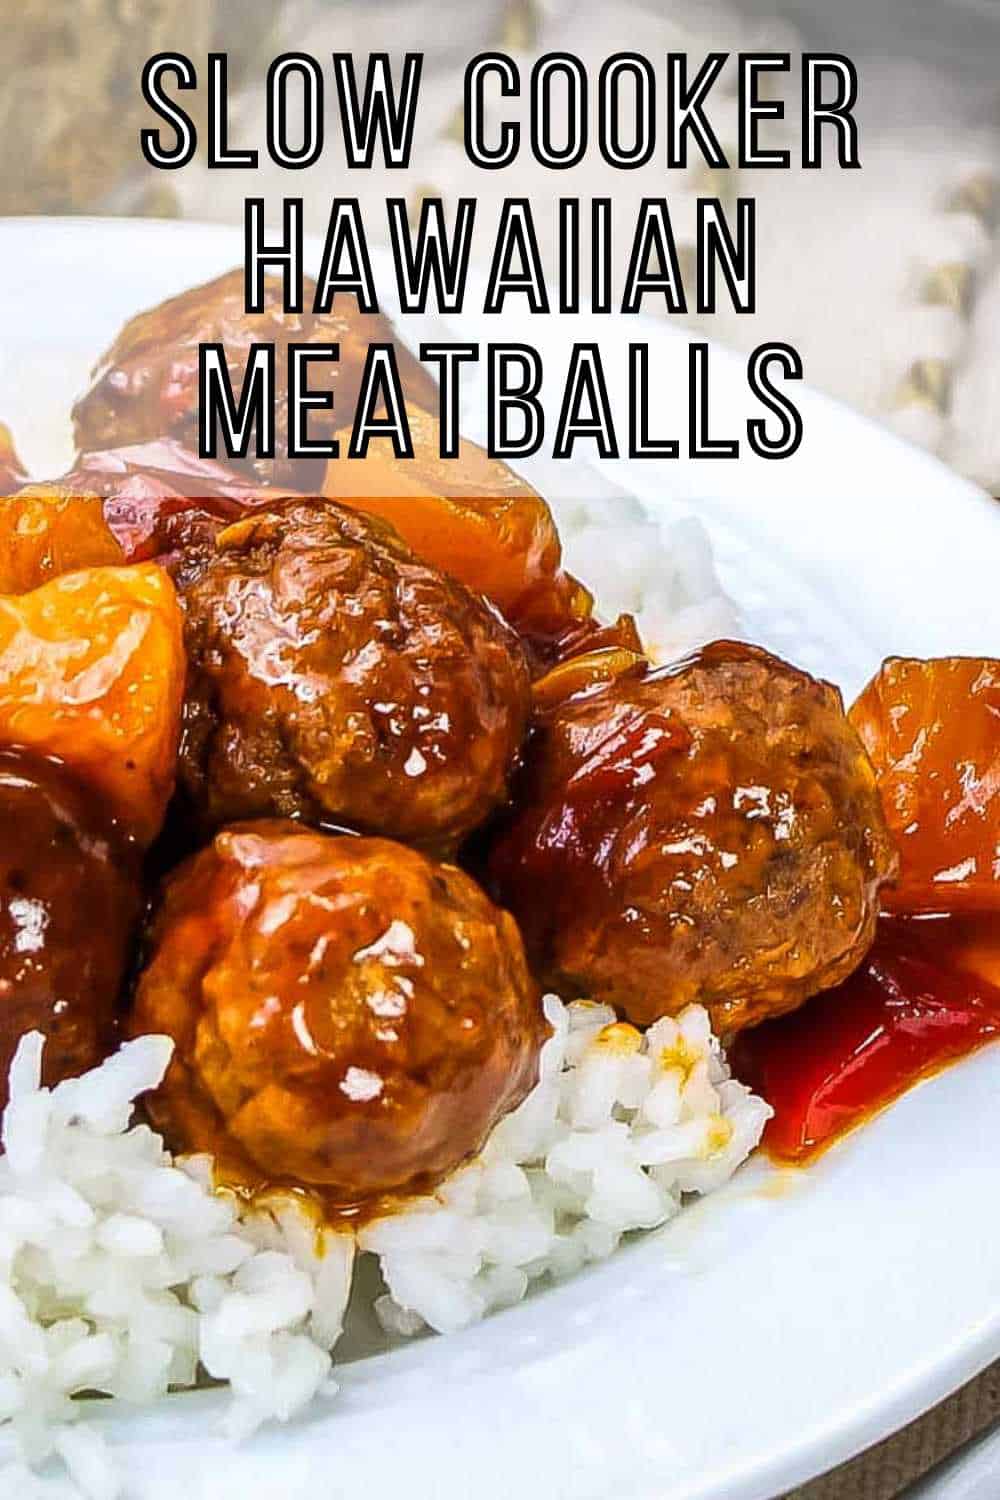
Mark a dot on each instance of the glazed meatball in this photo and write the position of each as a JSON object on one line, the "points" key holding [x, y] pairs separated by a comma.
{"points": [[146, 385], [68, 901], [335, 678], [347, 1013], [708, 832]]}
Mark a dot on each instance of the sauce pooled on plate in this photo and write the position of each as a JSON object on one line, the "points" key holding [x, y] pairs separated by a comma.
{"points": [[928, 991]]}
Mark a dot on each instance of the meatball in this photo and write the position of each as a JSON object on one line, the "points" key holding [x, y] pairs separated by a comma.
{"points": [[347, 1013], [68, 901], [146, 385], [707, 832], [335, 678]]}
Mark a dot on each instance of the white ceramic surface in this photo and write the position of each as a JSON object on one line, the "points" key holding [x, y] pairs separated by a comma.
{"points": [[792, 1319]]}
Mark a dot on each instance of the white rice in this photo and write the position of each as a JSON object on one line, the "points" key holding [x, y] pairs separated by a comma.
{"points": [[661, 571], [123, 1273], [619, 1128]]}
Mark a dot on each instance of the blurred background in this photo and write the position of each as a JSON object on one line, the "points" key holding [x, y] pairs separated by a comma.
{"points": [[887, 279]]}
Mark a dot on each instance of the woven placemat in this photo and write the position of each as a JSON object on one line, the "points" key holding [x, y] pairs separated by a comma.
{"points": [[886, 1470]]}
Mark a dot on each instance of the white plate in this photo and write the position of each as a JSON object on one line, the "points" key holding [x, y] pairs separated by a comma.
{"points": [[792, 1319]]}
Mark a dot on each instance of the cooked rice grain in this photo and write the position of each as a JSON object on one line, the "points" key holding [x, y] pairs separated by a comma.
{"points": [[122, 1272], [619, 1128]]}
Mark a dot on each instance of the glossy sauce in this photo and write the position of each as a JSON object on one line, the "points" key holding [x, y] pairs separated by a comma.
{"points": [[477, 520], [335, 678], [92, 672], [348, 1016], [927, 994], [233, 1173], [932, 730], [69, 899], [46, 531], [147, 490], [707, 832], [146, 385]]}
